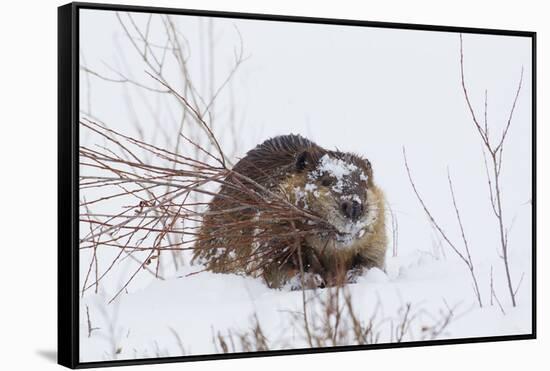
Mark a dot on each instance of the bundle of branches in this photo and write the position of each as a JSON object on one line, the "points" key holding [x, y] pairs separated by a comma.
{"points": [[163, 215]]}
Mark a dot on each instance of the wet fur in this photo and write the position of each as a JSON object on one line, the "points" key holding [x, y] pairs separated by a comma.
{"points": [[284, 165]]}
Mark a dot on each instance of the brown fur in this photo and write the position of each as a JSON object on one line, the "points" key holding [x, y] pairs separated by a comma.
{"points": [[252, 242]]}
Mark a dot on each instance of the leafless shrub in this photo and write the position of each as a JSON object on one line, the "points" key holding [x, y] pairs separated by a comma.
{"points": [[110, 330], [161, 193], [465, 255], [251, 340], [333, 320], [178, 340], [437, 328], [494, 294], [89, 322], [395, 231], [162, 190], [159, 58], [494, 150]]}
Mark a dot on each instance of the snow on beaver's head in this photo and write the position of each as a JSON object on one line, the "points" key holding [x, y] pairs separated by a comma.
{"points": [[338, 187]]}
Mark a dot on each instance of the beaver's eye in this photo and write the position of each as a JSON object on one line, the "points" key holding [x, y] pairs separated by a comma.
{"points": [[326, 181]]}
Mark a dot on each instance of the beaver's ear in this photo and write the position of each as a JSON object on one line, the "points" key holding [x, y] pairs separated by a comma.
{"points": [[304, 160], [366, 166]]}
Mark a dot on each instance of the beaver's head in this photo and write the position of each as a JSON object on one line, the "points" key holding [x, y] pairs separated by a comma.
{"points": [[338, 187]]}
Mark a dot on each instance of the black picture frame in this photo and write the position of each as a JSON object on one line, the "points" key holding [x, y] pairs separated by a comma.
{"points": [[68, 179]]}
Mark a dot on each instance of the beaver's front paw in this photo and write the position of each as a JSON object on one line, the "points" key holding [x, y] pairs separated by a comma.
{"points": [[353, 274], [309, 281]]}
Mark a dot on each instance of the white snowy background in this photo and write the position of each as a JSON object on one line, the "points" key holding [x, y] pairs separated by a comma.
{"points": [[368, 90]]}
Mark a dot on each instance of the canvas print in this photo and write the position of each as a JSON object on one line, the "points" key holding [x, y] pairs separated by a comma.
{"points": [[253, 185]]}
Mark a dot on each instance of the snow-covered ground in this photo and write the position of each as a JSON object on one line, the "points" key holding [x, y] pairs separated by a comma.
{"points": [[183, 314], [367, 90]]}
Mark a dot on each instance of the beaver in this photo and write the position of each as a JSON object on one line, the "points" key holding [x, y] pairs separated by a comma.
{"points": [[323, 225]]}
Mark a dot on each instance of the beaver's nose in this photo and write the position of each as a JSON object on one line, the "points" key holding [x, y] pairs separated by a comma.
{"points": [[351, 209]]}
